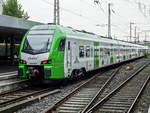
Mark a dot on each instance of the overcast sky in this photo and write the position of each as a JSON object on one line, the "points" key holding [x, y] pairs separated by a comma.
{"points": [[84, 14]]}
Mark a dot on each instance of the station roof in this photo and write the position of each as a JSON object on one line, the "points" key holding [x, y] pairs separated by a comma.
{"points": [[14, 26]]}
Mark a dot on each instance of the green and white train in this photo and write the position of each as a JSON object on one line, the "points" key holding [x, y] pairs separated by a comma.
{"points": [[53, 52]]}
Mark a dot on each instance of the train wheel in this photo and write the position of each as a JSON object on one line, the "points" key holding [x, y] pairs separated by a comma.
{"points": [[74, 74], [82, 73]]}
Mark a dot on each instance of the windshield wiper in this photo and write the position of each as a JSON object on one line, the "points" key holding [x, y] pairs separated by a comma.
{"points": [[47, 45]]}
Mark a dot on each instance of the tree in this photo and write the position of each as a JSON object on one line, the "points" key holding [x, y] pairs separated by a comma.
{"points": [[13, 8]]}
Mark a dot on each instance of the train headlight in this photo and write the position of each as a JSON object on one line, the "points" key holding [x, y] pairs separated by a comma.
{"points": [[23, 62], [46, 62]]}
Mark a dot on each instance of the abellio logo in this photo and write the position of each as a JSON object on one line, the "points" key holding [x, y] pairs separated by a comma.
{"points": [[33, 58]]}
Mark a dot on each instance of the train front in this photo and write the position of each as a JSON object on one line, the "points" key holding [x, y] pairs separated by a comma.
{"points": [[34, 54]]}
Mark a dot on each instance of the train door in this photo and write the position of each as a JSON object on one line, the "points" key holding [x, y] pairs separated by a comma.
{"points": [[111, 54], [104, 57], [118, 52], [101, 56], [115, 54], [69, 57], [107, 56], [87, 57], [75, 55], [91, 58]]}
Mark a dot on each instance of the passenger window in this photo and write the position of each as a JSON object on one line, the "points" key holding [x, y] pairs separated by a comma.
{"points": [[101, 52], [91, 51], [81, 51], [69, 45], [87, 51], [107, 52], [61, 46], [96, 52]]}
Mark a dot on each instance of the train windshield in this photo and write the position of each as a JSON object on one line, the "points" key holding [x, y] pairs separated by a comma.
{"points": [[38, 41]]}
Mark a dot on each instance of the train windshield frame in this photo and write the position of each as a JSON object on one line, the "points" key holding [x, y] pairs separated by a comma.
{"points": [[38, 41]]}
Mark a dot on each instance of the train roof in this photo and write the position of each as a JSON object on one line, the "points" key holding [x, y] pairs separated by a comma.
{"points": [[70, 32]]}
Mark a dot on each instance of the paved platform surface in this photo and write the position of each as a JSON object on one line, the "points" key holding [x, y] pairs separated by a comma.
{"points": [[7, 68]]}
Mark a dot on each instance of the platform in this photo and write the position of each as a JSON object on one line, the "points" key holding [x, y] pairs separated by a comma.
{"points": [[6, 69]]}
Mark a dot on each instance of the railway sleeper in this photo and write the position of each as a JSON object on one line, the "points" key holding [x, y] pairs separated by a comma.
{"points": [[118, 105], [74, 100], [123, 99], [66, 111], [68, 108], [71, 102], [115, 107], [71, 108], [80, 98], [110, 111], [73, 105], [118, 102]]}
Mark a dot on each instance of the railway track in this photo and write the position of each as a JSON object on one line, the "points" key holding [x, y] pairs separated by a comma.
{"points": [[79, 98], [82, 99], [11, 100], [124, 97], [9, 80]]}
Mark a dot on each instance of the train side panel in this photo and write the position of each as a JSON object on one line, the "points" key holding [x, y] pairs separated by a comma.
{"points": [[78, 55]]}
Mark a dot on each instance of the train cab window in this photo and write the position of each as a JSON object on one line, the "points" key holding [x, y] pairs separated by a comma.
{"points": [[34, 44], [81, 51], [61, 46], [87, 51]]}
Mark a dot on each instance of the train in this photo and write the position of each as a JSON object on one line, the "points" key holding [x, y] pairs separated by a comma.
{"points": [[54, 52]]}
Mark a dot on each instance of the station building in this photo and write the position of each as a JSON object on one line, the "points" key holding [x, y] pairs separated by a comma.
{"points": [[12, 31]]}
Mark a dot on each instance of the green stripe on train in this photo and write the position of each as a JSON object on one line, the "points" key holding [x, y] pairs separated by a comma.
{"points": [[124, 57], [96, 55], [111, 60]]}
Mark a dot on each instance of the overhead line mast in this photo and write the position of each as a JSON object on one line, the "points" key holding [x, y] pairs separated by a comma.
{"points": [[109, 21], [131, 23], [56, 12]]}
